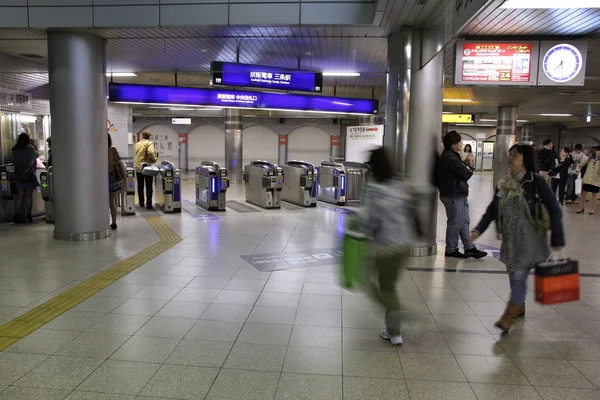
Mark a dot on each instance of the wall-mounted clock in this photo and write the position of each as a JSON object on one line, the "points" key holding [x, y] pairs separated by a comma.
{"points": [[562, 63]]}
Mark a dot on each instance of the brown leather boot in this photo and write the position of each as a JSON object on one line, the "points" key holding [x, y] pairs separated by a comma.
{"points": [[521, 311], [505, 322]]}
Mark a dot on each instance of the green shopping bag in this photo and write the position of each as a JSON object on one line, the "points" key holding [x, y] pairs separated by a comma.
{"points": [[353, 259]]}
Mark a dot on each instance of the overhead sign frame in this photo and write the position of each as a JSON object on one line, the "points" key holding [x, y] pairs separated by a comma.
{"points": [[262, 76], [457, 118], [517, 67]]}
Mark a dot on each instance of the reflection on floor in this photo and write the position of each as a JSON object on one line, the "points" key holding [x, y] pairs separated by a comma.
{"points": [[200, 322]]}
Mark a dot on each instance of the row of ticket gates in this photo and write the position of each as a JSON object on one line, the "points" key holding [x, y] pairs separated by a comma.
{"points": [[267, 184]]}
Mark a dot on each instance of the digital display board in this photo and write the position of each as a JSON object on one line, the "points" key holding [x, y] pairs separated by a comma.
{"points": [[149, 94], [259, 76], [496, 63]]}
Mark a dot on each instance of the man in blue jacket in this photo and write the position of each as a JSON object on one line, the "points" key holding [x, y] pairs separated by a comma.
{"points": [[452, 177]]}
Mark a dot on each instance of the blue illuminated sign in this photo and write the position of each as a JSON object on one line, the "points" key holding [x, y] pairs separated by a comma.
{"points": [[149, 94], [247, 75]]}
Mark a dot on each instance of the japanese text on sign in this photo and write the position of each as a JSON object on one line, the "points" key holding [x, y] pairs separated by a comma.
{"points": [[496, 62], [14, 98]]}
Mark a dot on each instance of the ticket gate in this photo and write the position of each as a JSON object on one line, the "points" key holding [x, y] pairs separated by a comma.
{"points": [[264, 182], [9, 194], [211, 186], [128, 193], [341, 183], [47, 196], [167, 185], [299, 185]]}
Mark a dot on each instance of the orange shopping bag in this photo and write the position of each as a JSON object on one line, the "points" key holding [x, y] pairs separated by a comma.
{"points": [[557, 281]]}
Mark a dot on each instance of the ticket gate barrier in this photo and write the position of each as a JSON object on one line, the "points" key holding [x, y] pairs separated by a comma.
{"points": [[47, 195], [341, 183], [299, 185], [211, 186], [167, 185], [128, 193], [264, 182]]}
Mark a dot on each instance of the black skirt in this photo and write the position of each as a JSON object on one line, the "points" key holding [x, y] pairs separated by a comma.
{"points": [[590, 188]]}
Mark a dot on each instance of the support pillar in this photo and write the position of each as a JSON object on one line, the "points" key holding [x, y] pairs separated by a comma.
{"points": [[527, 132], [77, 70], [426, 104], [282, 156], [334, 146], [395, 139], [233, 143], [183, 151], [505, 138]]}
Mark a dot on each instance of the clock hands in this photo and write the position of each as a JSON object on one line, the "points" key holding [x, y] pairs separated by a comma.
{"points": [[559, 65]]}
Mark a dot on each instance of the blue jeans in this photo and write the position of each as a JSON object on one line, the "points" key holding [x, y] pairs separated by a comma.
{"points": [[571, 179], [518, 286], [457, 212]]}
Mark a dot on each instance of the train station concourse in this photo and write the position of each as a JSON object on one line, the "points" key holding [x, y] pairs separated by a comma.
{"points": [[195, 203]]}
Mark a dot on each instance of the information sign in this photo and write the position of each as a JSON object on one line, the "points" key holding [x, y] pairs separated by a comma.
{"points": [[360, 140]]}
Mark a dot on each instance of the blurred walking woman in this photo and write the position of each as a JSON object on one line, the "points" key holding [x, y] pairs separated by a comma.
{"points": [[25, 156], [114, 184], [591, 181], [513, 209]]}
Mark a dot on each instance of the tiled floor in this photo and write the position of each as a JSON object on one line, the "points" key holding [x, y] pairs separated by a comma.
{"points": [[199, 322]]}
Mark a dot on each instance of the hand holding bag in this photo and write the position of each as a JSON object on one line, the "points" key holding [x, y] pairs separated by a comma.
{"points": [[557, 279], [355, 247]]}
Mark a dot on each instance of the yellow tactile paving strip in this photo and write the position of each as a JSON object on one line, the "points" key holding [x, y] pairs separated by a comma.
{"points": [[29, 322]]}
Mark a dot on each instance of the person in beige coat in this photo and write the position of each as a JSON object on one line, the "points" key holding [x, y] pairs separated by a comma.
{"points": [[591, 181]]}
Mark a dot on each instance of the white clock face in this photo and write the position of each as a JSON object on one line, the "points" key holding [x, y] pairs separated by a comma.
{"points": [[562, 63]]}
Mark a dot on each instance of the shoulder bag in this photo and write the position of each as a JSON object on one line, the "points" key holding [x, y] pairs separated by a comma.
{"points": [[541, 214]]}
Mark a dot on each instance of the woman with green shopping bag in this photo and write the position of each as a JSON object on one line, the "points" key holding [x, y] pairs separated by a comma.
{"points": [[387, 221]]}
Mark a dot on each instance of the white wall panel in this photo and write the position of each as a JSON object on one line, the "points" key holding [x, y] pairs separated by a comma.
{"points": [[206, 143], [260, 143], [166, 141], [310, 144]]}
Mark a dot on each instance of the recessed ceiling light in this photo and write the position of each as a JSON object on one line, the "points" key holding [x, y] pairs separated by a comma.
{"points": [[341, 74], [495, 120], [458, 101], [556, 115], [120, 74], [551, 4]]}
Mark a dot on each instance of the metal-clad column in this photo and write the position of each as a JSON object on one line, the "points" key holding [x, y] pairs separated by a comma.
{"points": [[505, 138], [183, 151], [233, 143], [365, 120], [395, 139], [334, 146], [77, 70], [426, 104], [527, 132], [282, 156]]}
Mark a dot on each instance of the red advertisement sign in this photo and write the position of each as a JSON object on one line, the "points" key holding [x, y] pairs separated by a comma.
{"points": [[491, 62]]}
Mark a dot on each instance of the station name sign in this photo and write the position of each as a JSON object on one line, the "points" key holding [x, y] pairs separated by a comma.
{"points": [[258, 76], [170, 95]]}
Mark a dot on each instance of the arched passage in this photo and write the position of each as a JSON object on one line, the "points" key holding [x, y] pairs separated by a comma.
{"points": [[206, 143], [260, 143], [310, 144]]}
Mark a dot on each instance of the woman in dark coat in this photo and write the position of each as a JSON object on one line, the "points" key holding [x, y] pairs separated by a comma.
{"points": [[25, 156]]}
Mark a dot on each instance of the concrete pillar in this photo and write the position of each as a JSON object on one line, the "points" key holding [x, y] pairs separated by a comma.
{"points": [[282, 156], [505, 138], [527, 132], [233, 143], [426, 104], [77, 67], [398, 91], [183, 151], [334, 146]]}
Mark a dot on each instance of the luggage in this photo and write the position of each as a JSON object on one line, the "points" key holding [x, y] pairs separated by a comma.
{"points": [[355, 247], [557, 281]]}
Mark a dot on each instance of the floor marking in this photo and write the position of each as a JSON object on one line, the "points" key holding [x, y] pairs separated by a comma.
{"points": [[20, 327]]}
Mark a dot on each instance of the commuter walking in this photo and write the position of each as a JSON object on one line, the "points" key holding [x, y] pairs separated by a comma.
{"points": [[468, 157], [547, 159], [560, 174], [513, 210], [49, 158], [114, 183], [144, 154], [388, 220], [591, 181], [578, 157], [25, 156], [452, 177]]}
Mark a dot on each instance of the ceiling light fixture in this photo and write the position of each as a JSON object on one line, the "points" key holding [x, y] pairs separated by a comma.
{"points": [[495, 120], [556, 115], [341, 73], [458, 101], [120, 74], [545, 4]]}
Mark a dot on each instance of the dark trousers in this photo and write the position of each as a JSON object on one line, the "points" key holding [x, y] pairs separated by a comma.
{"points": [[571, 180], [148, 181], [559, 184]]}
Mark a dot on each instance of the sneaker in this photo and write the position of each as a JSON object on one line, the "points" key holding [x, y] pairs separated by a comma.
{"points": [[475, 253], [395, 340], [456, 254]]}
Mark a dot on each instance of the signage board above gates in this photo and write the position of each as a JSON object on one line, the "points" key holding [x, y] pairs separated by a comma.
{"points": [[258, 76], [170, 95]]}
